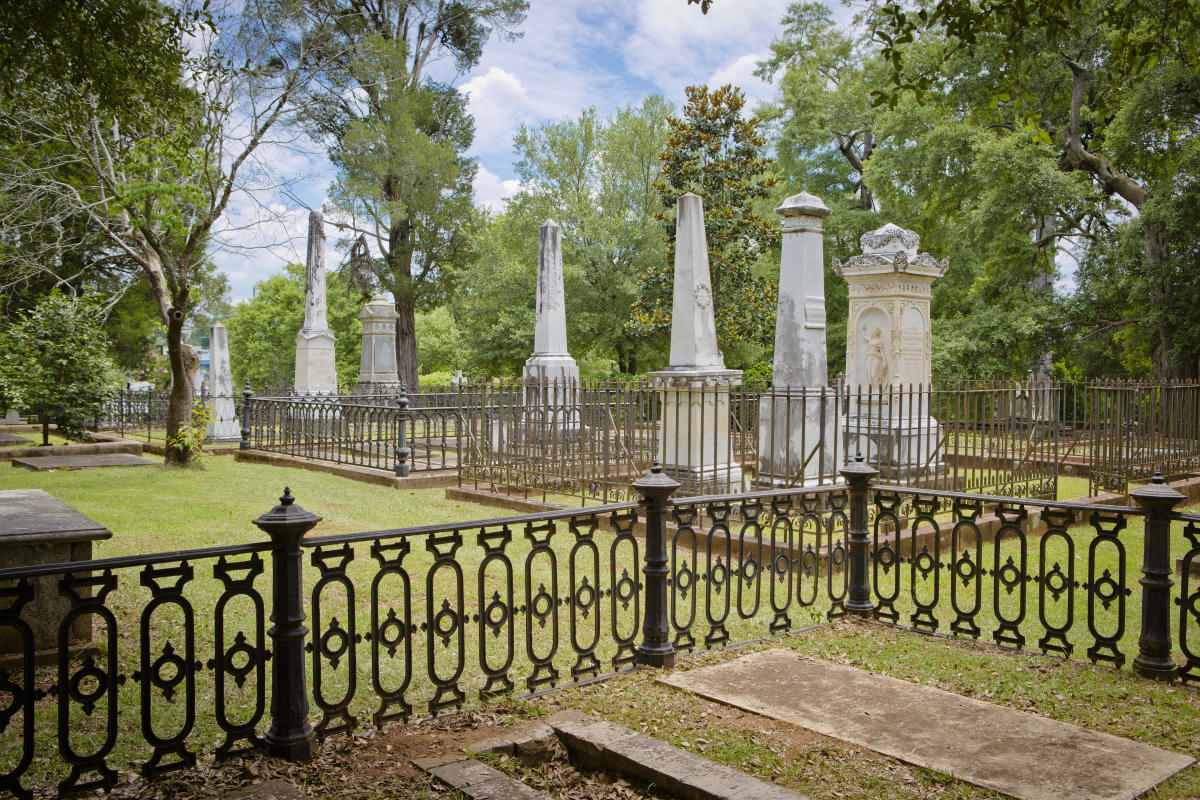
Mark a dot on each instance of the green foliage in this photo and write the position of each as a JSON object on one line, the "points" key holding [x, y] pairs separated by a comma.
{"points": [[716, 153], [441, 346], [190, 439], [262, 330], [595, 176], [56, 363]]}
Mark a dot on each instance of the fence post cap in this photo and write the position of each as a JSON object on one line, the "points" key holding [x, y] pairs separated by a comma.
{"points": [[1158, 493], [287, 518], [858, 470], [656, 482]]}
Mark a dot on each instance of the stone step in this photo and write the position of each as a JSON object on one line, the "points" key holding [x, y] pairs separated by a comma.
{"points": [[476, 780], [676, 772], [268, 790]]}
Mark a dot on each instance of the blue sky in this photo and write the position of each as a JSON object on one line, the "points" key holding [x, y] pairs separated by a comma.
{"points": [[573, 54]]}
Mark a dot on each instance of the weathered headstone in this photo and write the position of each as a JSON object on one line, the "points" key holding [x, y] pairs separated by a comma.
{"points": [[11, 417], [37, 528], [551, 376], [377, 366], [316, 363], [224, 426], [889, 346], [695, 413], [799, 425]]}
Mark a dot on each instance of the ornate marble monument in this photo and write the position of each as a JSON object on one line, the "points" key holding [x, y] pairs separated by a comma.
{"points": [[377, 367], [888, 351], [316, 365], [224, 425], [695, 385], [551, 376], [799, 421]]}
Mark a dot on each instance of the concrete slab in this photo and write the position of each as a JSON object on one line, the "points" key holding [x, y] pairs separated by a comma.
{"points": [[477, 780], [43, 463], [268, 790], [32, 516], [12, 440], [1020, 754]]}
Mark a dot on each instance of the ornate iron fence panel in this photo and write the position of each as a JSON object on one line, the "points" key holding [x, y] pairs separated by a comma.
{"points": [[148, 659]]}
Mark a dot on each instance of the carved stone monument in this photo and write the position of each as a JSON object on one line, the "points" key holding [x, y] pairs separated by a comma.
{"points": [[551, 376], [316, 364], [695, 411], [799, 440], [224, 425], [888, 352], [377, 367]]}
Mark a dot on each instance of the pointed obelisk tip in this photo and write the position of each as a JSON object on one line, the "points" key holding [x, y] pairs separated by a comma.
{"points": [[315, 218], [549, 223]]}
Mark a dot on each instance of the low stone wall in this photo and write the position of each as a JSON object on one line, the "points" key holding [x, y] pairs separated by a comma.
{"points": [[86, 449]]}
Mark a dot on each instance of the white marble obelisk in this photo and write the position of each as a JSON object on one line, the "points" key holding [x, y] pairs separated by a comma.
{"points": [[889, 346], [695, 443], [377, 365], [551, 376], [224, 425], [799, 437], [316, 364]]}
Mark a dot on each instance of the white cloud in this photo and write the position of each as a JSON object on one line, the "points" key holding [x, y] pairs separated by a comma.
{"points": [[491, 190], [499, 103], [740, 73]]}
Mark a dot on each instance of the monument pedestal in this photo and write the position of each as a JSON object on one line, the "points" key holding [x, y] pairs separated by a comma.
{"points": [[696, 447], [799, 438], [550, 399], [316, 363], [903, 449]]}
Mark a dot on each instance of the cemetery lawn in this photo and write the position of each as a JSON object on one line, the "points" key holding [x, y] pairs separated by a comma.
{"points": [[1099, 698], [155, 509]]}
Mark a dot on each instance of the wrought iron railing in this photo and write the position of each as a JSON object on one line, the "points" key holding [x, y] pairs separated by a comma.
{"points": [[356, 430], [159, 659]]}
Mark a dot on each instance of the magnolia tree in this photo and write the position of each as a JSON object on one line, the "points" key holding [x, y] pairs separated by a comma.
{"points": [[56, 364]]}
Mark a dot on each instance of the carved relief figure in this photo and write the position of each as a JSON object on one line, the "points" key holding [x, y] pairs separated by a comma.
{"points": [[875, 361]]}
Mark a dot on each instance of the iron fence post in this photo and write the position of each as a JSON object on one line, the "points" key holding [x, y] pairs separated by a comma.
{"points": [[656, 649], [246, 395], [290, 735], [859, 475], [1154, 660], [402, 451]]}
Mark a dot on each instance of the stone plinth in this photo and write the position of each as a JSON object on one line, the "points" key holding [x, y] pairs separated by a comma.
{"points": [[224, 426], [799, 425], [889, 352], [11, 417], [377, 366], [695, 445], [37, 528]]}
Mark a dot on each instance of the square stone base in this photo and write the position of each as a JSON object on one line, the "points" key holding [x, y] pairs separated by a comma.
{"points": [[722, 479]]}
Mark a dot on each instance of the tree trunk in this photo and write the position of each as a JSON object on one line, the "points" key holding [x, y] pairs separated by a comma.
{"points": [[179, 406], [865, 201], [45, 431], [406, 345], [1170, 366]]}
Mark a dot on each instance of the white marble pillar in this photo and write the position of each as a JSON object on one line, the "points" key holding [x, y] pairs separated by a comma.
{"points": [[316, 363], [695, 444], [224, 426], [889, 345], [799, 425], [377, 366], [551, 376]]}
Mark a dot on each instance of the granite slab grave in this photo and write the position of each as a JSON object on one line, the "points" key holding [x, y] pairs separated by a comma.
{"points": [[43, 463], [1020, 754], [12, 440], [38, 528]]}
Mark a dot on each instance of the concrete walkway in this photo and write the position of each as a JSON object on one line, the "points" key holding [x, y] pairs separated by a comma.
{"points": [[1015, 752]]}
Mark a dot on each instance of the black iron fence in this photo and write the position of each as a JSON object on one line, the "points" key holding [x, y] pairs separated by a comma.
{"points": [[158, 660], [357, 430]]}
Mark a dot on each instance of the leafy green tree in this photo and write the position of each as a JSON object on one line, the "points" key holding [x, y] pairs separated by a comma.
{"points": [[716, 153], [56, 364], [399, 141], [442, 346], [594, 175], [262, 330]]}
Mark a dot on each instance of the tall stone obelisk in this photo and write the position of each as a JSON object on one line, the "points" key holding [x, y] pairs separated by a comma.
{"points": [[799, 437], [695, 444], [316, 364], [551, 376], [224, 425]]}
